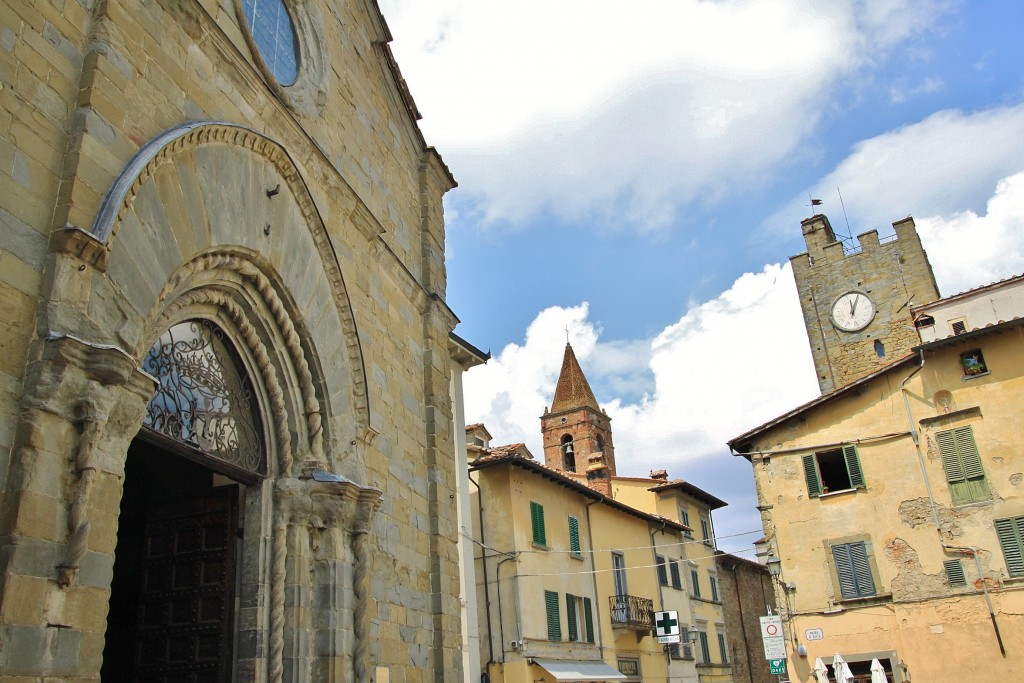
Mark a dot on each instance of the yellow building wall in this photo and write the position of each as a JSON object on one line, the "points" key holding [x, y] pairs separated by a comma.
{"points": [[917, 618]]}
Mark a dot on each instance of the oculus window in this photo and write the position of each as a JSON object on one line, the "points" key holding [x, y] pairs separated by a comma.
{"points": [[274, 34]]}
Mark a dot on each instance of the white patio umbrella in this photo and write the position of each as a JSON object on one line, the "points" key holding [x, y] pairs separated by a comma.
{"points": [[841, 669], [820, 671], [878, 672]]}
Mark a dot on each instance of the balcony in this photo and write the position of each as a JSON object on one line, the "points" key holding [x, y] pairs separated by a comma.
{"points": [[629, 611]]}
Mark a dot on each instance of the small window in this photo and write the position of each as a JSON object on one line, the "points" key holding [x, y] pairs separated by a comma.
{"points": [[673, 567], [973, 363], [695, 578], [600, 443], [879, 348], [580, 622], [705, 531], [924, 320], [834, 470], [958, 326], [723, 648], [568, 454], [955, 573], [574, 536], [853, 568], [1011, 539], [684, 517], [274, 34], [962, 463], [554, 621], [674, 651], [662, 570], [714, 588], [537, 523]]}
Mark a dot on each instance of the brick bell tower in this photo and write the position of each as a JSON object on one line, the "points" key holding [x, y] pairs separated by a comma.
{"points": [[856, 298], [577, 432]]}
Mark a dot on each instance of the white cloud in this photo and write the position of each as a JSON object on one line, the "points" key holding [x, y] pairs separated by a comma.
{"points": [[580, 109], [938, 167]]}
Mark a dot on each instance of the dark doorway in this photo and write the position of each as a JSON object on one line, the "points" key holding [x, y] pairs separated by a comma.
{"points": [[172, 593]]}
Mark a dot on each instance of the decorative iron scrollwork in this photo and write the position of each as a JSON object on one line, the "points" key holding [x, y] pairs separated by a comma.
{"points": [[204, 398]]}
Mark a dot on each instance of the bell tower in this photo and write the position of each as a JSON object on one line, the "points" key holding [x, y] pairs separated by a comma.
{"points": [[856, 298], [577, 432]]}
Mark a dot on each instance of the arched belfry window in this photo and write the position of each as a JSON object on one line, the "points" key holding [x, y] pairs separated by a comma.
{"points": [[600, 444], [204, 398], [568, 454]]}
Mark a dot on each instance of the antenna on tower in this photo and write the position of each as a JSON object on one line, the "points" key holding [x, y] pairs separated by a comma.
{"points": [[849, 233]]}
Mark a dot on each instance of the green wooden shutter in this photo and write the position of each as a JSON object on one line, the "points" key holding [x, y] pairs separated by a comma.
{"points": [[811, 475], [570, 613], [968, 452], [554, 622], [588, 618], [723, 648], [962, 463], [853, 466], [1011, 539], [955, 573], [574, 535], [537, 521], [714, 588], [950, 457], [659, 563], [673, 566], [705, 651], [696, 583], [853, 570]]}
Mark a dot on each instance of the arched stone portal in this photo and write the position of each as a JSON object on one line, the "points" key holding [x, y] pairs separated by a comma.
{"points": [[212, 222]]}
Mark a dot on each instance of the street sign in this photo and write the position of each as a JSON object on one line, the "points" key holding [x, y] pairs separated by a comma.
{"points": [[814, 634], [772, 637], [666, 626], [777, 666]]}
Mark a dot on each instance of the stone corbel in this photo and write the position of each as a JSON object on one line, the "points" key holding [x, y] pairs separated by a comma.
{"points": [[80, 243]]}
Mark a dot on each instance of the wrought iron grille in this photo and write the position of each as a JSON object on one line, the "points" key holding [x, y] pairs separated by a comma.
{"points": [[632, 612], [204, 397]]}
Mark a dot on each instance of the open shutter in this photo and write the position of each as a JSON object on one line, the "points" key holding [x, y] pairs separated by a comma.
{"points": [[588, 617], [677, 581], [950, 457], [570, 613], [574, 535], [811, 474], [537, 521], [1011, 538], [554, 623], [853, 466]]}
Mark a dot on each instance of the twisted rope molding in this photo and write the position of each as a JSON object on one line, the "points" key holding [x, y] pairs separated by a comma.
{"points": [[278, 575], [361, 649], [182, 139], [78, 518]]}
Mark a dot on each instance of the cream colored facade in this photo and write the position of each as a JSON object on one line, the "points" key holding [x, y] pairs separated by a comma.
{"points": [[613, 577], [895, 504], [692, 507], [159, 180]]}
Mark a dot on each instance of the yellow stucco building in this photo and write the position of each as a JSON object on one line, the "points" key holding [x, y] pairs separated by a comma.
{"points": [[892, 505]]}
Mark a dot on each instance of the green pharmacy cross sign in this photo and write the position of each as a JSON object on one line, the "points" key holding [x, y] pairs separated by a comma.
{"points": [[666, 626]]}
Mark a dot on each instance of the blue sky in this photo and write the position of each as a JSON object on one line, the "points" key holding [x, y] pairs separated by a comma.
{"points": [[637, 173]]}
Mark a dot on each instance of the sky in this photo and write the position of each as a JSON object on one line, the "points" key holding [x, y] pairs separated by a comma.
{"points": [[632, 177]]}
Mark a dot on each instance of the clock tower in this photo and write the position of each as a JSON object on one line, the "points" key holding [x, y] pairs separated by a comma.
{"points": [[856, 298]]}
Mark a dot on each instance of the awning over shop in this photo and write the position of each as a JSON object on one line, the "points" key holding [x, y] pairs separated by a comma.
{"points": [[571, 670]]}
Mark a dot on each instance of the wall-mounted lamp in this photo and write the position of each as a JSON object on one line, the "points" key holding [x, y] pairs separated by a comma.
{"points": [[774, 565]]}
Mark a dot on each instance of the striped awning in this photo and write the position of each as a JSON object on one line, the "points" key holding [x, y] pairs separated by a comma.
{"points": [[573, 670]]}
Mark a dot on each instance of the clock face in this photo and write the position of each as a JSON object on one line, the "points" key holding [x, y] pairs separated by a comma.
{"points": [[852, 311]]}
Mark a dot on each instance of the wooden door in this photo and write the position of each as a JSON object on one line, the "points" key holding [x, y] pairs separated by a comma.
{"points": [[185, 598]]}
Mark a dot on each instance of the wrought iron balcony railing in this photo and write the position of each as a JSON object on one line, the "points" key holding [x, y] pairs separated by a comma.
{"points": [[629, 611]]}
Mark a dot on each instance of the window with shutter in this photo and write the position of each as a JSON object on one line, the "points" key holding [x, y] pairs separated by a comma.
{"points": [[554, 622], [574, 536], [723, 649], [659, 562], [1011, 538], [684, 517], [962, 463], [833, 470], [588, 619], [853, 570], [696, 582], [570, 613], [537, 522], [705, 651], [714, 588], [955, 573], [677, 581], [705, 531]]}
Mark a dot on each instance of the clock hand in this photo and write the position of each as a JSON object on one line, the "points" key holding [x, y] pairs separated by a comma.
{"points": [[853, 306]]}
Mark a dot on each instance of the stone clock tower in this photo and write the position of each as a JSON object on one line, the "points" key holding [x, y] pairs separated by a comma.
{"points": [[856, 301]]}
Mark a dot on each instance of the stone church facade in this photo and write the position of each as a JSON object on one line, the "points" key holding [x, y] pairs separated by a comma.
{"points": [[225, 420]]}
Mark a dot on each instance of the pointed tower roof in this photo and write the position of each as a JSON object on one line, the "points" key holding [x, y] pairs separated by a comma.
{"points": [[572, 390]]}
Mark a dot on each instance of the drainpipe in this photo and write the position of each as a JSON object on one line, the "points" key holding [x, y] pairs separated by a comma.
{"points": [[950, 549], [483, 566], [515, 605]]}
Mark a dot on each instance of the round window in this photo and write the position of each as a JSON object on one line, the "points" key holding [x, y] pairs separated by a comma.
{"points": [[275, 38]]}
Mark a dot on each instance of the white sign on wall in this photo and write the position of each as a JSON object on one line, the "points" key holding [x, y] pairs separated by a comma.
{"points": [[814, 634], [772, 637]]}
